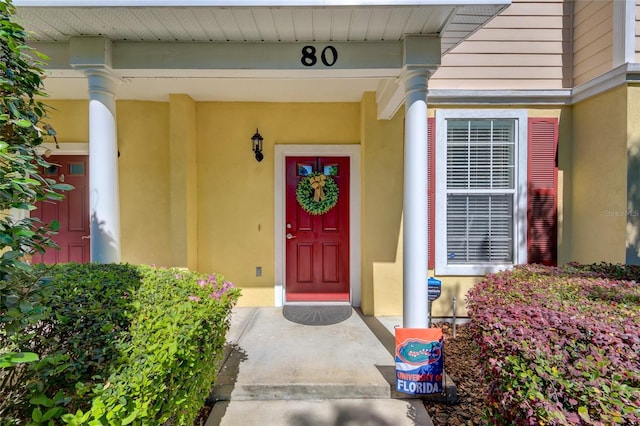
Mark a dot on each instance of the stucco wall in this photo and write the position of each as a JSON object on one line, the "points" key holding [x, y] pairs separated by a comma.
{"points": [[143, 142], [382, 251], [236, 193], [70, 119], [633, 176], [382, 186], [599, 199], [183, 181], [383, 149]]}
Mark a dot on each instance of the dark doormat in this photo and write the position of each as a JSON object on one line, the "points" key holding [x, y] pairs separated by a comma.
{"points": [[317, 315]]}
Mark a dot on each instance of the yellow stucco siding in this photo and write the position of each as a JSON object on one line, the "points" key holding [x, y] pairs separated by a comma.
{"points": [[633, 176], [382, 238], [236, 193], [382, 183], [386, 259], [183, 181], [207, 146], [143, 142], [599, 198], [70, 119]]}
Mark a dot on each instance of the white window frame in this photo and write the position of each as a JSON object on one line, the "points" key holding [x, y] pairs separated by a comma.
{"points": [[519, 203]]}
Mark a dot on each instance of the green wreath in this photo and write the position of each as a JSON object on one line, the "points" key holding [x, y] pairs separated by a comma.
{"points": [[317, 193]]}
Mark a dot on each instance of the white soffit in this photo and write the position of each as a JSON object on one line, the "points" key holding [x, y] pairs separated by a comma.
{"points": [[254, 21], [55, 22]]}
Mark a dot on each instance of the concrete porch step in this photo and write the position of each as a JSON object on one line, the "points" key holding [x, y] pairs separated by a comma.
{"points": [[266, 392], [268, 358], [276, 372], [383, 412]]}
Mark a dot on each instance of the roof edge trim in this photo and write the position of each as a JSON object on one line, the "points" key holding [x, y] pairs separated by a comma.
{"points": [[252, 3]]}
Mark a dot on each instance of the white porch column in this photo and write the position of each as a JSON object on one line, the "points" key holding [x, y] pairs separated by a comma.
{"points": [[415, 236], [421, 57], [93, 57], [104, 195]]}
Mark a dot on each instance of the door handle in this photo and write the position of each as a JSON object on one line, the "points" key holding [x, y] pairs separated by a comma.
{"points": [[289, 236], [86, 237]]}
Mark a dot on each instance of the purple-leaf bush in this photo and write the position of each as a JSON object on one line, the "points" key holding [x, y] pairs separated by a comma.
{"points": [[560, 345]]}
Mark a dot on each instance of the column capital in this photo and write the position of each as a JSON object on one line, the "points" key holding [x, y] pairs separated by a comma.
{"points": [[92, 55], [101, 79], [409, 72], [416, 79]]}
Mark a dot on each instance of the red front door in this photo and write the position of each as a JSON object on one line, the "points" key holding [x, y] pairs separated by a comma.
{"points": [[72, 212], [317, 246]]}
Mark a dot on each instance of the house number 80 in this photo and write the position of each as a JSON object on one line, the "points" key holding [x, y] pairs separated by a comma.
{"points": [[328, 56]]}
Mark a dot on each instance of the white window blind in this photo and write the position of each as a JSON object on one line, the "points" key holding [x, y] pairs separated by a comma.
{"points": [[480, 189]]}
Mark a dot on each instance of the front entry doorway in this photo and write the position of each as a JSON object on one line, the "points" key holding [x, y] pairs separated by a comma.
{"points": [[317, 246], [72, 212]]}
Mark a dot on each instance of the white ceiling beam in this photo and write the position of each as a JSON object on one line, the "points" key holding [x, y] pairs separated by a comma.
{"points": [[264, 56], [332, 59], [418, 51], [389, 97]]}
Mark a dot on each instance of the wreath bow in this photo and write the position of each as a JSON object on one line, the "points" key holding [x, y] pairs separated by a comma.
{"points": [[317, 193], [317, 183]]}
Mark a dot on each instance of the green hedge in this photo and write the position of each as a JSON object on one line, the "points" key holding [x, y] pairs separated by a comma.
{"points": [[127, 344], [560, 345]]}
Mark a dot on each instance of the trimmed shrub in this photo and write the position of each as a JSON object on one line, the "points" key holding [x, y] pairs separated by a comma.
{"points": [[169, 365], [127, 345], [559, 345], [89, 310]]}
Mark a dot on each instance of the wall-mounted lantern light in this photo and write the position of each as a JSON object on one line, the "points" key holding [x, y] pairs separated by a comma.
{"points": [[256, 144]]}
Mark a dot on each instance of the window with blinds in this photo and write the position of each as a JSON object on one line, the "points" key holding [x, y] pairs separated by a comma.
{"points": [[480, 190]]}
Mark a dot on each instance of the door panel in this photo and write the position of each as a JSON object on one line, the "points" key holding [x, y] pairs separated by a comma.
{"points": [[330, 262], [76, 217], [72, 212], [304, 262], [317, 254]]}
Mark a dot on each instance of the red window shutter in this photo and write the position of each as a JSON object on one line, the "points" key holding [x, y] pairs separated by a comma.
{"points": [[542, 187], [431, 191]]}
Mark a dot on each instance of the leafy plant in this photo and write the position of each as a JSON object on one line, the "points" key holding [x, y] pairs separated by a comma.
{"points": [[21, 133], [21, 186], [560, 345], [167, 362], [123, 344]]}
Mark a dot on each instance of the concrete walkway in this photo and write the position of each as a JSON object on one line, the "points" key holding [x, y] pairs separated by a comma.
{"points": [[280, 373]]}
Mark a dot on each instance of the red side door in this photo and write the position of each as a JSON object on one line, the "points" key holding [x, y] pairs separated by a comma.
{"points": [[72, 212], [317, 246]]}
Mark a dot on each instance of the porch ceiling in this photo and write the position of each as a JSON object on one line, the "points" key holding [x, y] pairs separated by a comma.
{"points": [[248, 21]]}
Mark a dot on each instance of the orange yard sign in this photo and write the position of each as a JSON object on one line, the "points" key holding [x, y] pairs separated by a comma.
{"points": [[419, 360]]}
